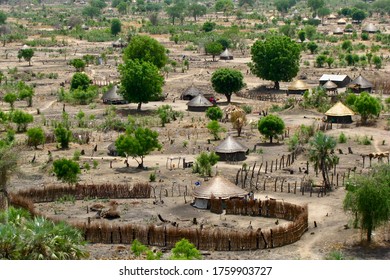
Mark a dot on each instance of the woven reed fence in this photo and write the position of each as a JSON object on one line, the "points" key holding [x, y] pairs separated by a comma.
{"points": [[218, 239]]}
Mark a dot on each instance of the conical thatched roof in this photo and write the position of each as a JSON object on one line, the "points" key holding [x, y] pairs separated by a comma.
{"points": [[199, 101], [332, 16], [226, 55], [120, 43], [338, 30], [230, 145], [191, 91], [329, 85], [112, 95], [341, 21], [339, 110], [370, 28], [298, 85], [361, 83], [219, 187]]}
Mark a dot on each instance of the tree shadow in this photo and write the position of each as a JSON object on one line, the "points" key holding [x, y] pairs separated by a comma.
{"points": [[129, 170], [134, 112]]}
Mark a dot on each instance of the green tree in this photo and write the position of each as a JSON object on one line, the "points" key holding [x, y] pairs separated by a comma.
{"points": [[347, 45], [91, 11], [137, 143], [367, 106], [122, 8], [227, 81], [215, 128], [196, 10], [275, 59], [27, 54], [185, 250], [315, 4], [36, 136], [66, 170], [166, 114], [116, 26], [320, 154], [282, 5], [83, 97], [270, 126], [368, 198], [312, 46], [26, 92], [78, 63], [320, 60], [21, 119], [225, 6], [204, 162], [302, 35], [147, 49], [36, 238], [208, 26], [3, 17], [141, 81], [63, 136], [213, 48], [80, 81], [377, 61], [214, 113], [358, 15], [8, 164], [177, 10], [11, 99]]}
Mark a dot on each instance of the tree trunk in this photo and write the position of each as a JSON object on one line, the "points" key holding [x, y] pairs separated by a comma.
{"points": [[3, 190], [277, 86], [270, 139], [139, 106], [369, 233], [228, 97]]}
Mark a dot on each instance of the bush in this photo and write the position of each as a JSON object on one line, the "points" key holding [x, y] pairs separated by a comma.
{"points": [[66, 170], [36, 136], [214, 113], [185, 250], [247, 109], [342, 138]]}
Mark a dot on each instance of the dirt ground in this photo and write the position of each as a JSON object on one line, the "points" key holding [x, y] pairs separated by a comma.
{"points": [[333, 231]]}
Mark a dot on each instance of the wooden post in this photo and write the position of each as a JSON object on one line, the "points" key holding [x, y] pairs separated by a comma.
{"points": [[288, 187], [272, 164], [266, 167], [364, 159], [337, 179], [276, 180], [276, 164], [265, 179], [343, 178], [295, 187], [307, 167]]}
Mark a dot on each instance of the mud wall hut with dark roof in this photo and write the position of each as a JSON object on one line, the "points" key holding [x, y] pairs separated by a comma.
{"points": [[297, 87], [360, 84], [219, 188], [112, 96], [231, 150], [199, 104], [339, 113], [190, 93], [340, 80]]}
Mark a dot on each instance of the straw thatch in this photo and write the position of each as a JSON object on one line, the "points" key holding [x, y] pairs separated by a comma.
{"points": [[370, 28], [298, 87], [199, 104], [360, 84], [226, 55], [120, 43], [329, 85], [332, 16], [113, 97], [231, 150], [190, 93], [339, 113], [338, 31], [341, 21], [219, 187]]}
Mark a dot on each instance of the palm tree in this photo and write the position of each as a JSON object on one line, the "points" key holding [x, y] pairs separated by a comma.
{"points": [[319, 154]]}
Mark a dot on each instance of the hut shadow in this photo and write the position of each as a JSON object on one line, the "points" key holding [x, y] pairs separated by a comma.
{"points": [[268, 144]]}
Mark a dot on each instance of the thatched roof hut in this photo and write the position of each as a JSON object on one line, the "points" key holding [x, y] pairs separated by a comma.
{"points": [[330, 86], [360, 84], [219, 188], [341, 21], [298, 87], [338, 31], [112, 150], [190, 93], [120, 43], [231, 150], [199, 104], [339, 113], [370, 28], [226, 55], [113, 97]]}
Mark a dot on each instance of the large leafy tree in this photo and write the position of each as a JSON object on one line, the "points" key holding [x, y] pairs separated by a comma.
{"points": [[91, 11], [116, 26], [177, 10], [225, 6], [80, 81], [367, 106], [271, 126], [214, 48], [35, 238], [137, 143], [27, 54], [66, 170], [196, 10], [147, 49], [315, 4], [275, 59], [141, 81], [227, 81], [320, 154], [368, 198]]}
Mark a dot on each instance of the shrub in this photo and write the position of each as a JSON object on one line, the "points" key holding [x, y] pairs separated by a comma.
{"points": [[342, 138]]}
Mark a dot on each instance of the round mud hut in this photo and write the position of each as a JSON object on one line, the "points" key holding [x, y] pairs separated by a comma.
{"points": [[339, 113], [330, 87], [231, 150], [360, 84], [218, 188], [338, 31], [199, 104], [370, 28], [226, 55], [190, 93], [297, 87], [112, 96]]}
